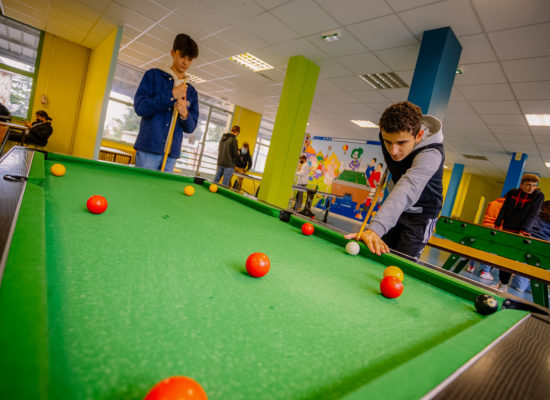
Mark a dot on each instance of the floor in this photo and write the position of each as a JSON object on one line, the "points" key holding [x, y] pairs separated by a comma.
{"points": [[429, 255]]}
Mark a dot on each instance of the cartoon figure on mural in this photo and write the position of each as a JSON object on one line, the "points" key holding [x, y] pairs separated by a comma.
{"points": [[355, 162], [332, 169], [374, 177], [370, 168]]}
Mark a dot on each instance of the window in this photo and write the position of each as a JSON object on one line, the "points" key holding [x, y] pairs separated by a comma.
{"points": [[19, 57], [262, 145], [121, 121]]}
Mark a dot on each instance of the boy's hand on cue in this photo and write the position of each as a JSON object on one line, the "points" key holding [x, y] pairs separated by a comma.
{"points": [[181, 105], [180, 91]]}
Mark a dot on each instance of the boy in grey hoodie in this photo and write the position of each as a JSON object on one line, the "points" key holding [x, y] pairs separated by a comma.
{"points": [[228, 151], [412, 145]]}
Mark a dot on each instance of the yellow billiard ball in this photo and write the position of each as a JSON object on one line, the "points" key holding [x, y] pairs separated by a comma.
{"points": [[394, 271], [58, 170], [213, 188], [189, 190]]}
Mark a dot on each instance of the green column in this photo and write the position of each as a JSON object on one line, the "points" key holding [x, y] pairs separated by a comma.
{"points": [[288, 131]]}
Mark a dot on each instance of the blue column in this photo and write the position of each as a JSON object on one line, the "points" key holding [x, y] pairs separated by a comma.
{"points": [[435, 71], [515, 172], [452, 190]]}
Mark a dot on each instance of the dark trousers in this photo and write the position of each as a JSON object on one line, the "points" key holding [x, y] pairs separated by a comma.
{"points": [[24, 139], [410, 234], [504, 277], [299, 198]]}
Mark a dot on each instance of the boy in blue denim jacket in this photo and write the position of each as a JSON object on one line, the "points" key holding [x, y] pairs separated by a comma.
{"points": [[157, 95]]}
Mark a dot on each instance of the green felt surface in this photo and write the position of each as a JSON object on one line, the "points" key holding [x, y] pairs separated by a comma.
{"points": [[353, 176], [156, 286]]}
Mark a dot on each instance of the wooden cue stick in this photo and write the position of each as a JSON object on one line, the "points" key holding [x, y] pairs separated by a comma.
{"points": [[374, 200], [168, 146]]}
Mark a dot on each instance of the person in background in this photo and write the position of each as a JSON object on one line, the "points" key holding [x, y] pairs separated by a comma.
{"points": [[39, 132], [303, 176], [539, 230], [242, 164], [5, 114], [493, 208], [158, 93], [228, 151], [518, 212]]}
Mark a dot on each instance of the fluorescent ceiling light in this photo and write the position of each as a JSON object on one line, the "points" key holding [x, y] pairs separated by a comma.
{"points": [[364, 124], [195, 78], [538, 119], [252, 62], [384, 80], [548, 164]]}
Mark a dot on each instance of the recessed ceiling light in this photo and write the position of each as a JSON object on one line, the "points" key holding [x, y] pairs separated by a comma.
{"points": [[548, 164], [384, 80], [252, 62], [364, 124], [444, 166], [331, 36], [195, 78], [538, 119]]}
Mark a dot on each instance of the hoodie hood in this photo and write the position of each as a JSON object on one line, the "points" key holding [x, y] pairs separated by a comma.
{"points": [[432, 132], [226, 136]]}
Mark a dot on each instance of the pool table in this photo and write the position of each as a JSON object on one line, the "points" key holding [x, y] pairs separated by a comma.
{"points": [[104, 306]]}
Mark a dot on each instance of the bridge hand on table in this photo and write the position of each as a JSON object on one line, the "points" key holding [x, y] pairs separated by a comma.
{"points": [[372, 240]]}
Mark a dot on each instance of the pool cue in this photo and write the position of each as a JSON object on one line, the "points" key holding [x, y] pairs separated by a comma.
{"points": [[379, 190], [168, 146]]}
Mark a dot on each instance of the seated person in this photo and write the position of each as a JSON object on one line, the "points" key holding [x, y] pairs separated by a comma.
{"points": [[39, 132]]}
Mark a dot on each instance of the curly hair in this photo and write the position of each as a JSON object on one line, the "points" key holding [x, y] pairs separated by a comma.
{"points": [[403, 116]]}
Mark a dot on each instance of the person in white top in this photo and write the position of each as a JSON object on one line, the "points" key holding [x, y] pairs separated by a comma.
{"points": [[303, 177]]}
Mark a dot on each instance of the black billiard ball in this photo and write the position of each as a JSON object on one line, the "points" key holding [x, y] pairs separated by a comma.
{"points": [[284, 216], [486, 304]]}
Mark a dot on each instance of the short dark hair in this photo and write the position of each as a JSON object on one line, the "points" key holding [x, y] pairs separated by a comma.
{"points": [[529, 178], [236, 128], [187, 46], [43, 114], [545, 210], [403, 116]]}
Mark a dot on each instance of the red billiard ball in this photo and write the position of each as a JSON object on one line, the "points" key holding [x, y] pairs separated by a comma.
{"points": [[391, 287], [307, 229], [257, 265], [96, 204], [177, 388]]}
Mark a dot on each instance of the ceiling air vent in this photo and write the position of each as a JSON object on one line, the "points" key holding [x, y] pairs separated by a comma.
{"points": [[473, 157], [384, 80]]}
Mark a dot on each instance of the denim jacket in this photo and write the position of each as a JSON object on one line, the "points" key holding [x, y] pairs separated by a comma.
{"points": [[154, 103]]}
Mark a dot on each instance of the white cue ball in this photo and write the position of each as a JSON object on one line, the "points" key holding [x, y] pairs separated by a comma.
{"points": [[352, 248]]}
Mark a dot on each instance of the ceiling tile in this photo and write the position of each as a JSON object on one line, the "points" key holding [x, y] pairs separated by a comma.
{"points": [[457, 14], [475, 49], [301, 47], [351, 11], [200, 15], [508, 119], [383, 33], [245, 41], [305, 17], [519, 43], [532, 90], [484, 73], [236, 10], [400, 5], [511, 13], [364, 63], [499, 129], [331, 68], [535, 107], [400, 58], [176, 23], [270, 29], [146, 8], [487, 92], [495, 107], [533, 69], [124, 16]]}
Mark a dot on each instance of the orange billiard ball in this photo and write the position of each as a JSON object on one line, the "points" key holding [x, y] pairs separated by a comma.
{"points": [[177, 388], [257, 265], [189, 190], [58, 170], [213, 188]]}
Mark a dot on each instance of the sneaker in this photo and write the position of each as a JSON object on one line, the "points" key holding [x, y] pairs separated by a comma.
{"points": [[471, 269], [486, 275]]}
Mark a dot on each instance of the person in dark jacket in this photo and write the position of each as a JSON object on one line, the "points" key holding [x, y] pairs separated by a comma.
{"points": [[242, 164], [159, 92], [5, 114], [39, 132], [521, 206], [228, 151], [539, 230]]}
